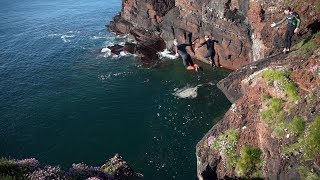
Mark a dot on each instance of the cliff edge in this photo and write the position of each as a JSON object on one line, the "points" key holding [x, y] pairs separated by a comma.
{"points": [[271, 130]]}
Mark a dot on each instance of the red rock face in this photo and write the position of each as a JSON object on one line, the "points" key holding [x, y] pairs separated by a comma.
{"points": [[242, 27], [245, 117], [247, 44]]}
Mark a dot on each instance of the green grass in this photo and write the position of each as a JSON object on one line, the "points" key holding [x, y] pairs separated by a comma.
{"points": [[282, 76], [226, 143], [249, 161], [274, 117], [273, 112], [297, 125], [311, 141], [318, 6], [276, 105], [308, 141], [306, 47], [292, 148], [306, 174], [279, 129], [265, 97]]}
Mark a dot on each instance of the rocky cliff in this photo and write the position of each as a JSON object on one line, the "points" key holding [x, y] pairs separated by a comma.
{"points": [[242, 27], [272, 130]]}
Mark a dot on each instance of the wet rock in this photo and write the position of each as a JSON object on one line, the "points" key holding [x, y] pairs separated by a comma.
{"points": [[117, 49]]}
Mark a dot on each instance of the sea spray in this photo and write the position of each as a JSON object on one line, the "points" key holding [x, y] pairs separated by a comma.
{"points": [[166, 54], [187, 92]]}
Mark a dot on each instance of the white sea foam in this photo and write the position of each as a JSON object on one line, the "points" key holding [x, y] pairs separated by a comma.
{"points": [[106, 51], [187, 92], [111, 75], [122, 36], [105, 77], [98, 37], [53, 35], [103, 50], [211, 83], [166, 54], [65, 38], [124, 53]]}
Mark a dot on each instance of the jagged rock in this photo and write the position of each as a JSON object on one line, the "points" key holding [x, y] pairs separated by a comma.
{"points": [[128, 47], [115, 169], [120, 169]]}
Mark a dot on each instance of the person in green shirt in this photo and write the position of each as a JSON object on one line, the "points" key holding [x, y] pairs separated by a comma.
{"points": [[293, 26]]}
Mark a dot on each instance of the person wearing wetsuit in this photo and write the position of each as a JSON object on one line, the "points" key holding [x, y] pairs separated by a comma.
{"points": [[210, 47], [181, 50], [293, 26]]}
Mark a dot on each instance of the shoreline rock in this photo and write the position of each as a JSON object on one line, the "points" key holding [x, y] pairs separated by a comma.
{"points": [[114, 169]]}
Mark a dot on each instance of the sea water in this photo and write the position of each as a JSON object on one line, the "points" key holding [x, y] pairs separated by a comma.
{"points": [[64, 98]]}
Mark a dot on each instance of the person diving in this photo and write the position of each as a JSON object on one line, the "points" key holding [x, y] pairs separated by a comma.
{"points": [[180, 49]]}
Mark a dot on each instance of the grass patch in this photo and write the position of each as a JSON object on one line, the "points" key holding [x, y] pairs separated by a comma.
{"points": [[282, 76], [276, 105], [305, 173], [293, 148], [274, 108], [274, 117], [318, 6], [297, 125], [306, 47], [249, 161], [226, 144], [279, 129], [265, 97], [311, 143], [308, 142]]}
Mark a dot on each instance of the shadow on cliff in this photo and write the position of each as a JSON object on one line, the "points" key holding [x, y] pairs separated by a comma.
{"points": [[314, 27]]}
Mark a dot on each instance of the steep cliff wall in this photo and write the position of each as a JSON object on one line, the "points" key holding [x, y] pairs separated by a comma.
{"points": [[272, 129], [277, 115], [242, 27]]}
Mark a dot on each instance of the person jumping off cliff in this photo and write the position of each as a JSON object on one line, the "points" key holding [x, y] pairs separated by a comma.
{"points": [[187, 61], [210, 47], [293, 26]]}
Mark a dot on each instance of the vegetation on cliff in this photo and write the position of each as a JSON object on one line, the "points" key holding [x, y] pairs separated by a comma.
{"points": [[278, 117]]}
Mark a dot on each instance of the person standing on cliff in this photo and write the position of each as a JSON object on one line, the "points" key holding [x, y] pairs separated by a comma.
{"points": [[210, 47], [293, 26], [181, 50]]}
